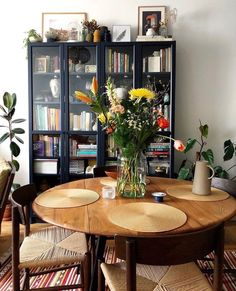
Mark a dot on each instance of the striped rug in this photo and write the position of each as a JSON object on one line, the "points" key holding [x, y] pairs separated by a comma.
{"points": [[71, 277]]}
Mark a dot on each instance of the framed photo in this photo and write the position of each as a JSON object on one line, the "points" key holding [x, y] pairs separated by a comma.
{"points": [[121, 33], [149, 17], [40, 65], [62, 23]]}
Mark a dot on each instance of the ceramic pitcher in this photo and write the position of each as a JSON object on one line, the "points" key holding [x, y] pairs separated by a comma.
{"points": [[202, 178]]}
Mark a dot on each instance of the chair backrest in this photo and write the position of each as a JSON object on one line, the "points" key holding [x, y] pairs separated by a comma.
{"points": [[21, 200], [226, 185], [7, 174], [171, 250], [100, 171]]}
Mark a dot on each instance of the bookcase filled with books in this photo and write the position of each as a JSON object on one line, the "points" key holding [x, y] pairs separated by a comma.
{"points": [[65, 138]]}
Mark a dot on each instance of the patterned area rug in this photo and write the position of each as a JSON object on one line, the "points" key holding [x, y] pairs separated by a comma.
{"points": [[70, 276]]}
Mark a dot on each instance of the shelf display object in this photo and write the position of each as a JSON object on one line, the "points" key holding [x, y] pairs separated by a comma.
{"points": [[65, 138]]}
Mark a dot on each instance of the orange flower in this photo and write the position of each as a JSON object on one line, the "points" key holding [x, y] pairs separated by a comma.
{"points": [[83, 97], [179, 146], [163, 123], [109, 130], [94, 86]]}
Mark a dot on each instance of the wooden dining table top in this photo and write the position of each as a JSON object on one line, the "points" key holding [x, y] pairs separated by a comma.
{"points": [[93, 218]]}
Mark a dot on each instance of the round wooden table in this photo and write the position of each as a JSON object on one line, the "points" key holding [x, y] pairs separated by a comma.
{"points": [[94, 218]]}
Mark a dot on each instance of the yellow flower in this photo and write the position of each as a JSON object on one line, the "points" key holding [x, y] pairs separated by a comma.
{"points": [[141, 93], [83, 97], [103, 119], [94, 86]]}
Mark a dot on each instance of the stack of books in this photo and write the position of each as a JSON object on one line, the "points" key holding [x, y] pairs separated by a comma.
{"points": [[153, 38]]}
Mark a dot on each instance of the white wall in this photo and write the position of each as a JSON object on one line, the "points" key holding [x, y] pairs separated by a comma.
{"points": [[206, 60]]}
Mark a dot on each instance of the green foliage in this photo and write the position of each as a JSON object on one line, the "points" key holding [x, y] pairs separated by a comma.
{"points": [[186, 170], [32, 33], [8, 111]]}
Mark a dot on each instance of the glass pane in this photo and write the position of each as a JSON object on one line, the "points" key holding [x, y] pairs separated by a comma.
{"points": [[46, 88], [82, 65], [119, 65], [83, 154]]}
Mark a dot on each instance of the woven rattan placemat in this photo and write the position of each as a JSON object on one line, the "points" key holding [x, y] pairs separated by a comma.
{"points": [[108, 181], [63, 198], [185, 192], [147, 217]]}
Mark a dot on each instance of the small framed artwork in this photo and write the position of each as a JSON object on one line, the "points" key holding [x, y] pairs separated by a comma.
{"points": [[62, 23], [121, 33], [150, 17], [40, 65]]}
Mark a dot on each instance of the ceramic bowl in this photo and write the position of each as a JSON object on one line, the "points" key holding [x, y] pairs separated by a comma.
{"points": [[112, 172], [159, 196]]}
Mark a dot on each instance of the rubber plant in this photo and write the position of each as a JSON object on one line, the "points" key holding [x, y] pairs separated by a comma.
{"points": [[12, 130], [186, 170]]}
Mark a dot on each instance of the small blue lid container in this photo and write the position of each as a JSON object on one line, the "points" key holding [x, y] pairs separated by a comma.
{"points": [[159, 196]]}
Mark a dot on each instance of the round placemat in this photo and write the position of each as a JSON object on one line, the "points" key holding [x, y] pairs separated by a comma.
{"points": [[108, 181], [63, 198], [185, 192], [147, 217]]}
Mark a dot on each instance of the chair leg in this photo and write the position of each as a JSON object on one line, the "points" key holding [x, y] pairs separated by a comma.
{"points": [[87, 271], [101, 278]]}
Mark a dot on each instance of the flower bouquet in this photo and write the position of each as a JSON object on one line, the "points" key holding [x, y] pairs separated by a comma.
{"points": [[133, 122]]}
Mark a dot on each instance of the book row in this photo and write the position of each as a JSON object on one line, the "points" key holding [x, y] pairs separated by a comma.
{"points": [[46, 146], [160, 61], [46, 118], [118, 62]]}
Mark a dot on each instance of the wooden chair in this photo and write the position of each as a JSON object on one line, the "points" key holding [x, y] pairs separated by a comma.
{"points": [[47, 250], [7, 174], [164, 263], [100, 171]]}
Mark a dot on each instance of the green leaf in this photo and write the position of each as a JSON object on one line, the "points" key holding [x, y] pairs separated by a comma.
{"points": [[13, 99], [11, 113], [14, 149], [19, 120], [183, 174], [208, 156], [190, 144], [204, 130], [19, 139], [4, 137], [16, 164], [18, 130], [228, 150], [8, 100]]}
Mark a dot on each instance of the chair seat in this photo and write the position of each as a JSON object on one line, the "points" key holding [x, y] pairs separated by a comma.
{"points": [[52, 246], [184, 277]]}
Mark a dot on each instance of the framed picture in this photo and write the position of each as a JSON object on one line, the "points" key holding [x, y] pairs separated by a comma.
{"points": [[40, 65], [149, 17], [62, 23], [121, 33]]}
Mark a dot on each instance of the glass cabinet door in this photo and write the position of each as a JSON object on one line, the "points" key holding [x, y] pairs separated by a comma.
{"points": [[83, 125], [157, 76], [46, 93]]}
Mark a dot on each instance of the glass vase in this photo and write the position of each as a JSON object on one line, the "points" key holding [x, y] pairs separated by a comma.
{"points": [[131, 176]]}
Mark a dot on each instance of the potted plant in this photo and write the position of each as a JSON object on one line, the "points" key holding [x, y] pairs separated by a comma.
{"points": [[12, 133], [32, 36]]}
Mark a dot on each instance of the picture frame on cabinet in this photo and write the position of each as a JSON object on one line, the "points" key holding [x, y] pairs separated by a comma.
{"points": [[40, 65], [150, 17], [62, 24], [121, 33]]}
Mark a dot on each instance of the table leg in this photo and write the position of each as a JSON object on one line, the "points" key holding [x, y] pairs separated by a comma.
{"points": [[99, 253]]}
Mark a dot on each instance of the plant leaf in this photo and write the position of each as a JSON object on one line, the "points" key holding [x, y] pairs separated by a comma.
{"points": [[19, 139], [18, 130], [16, 164], [208, 156], [228, 150], [14, 149], [183, 174], [3, 109], [204, 130], [4, 137], [190, 144], [8, 100], [19, 120]]}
